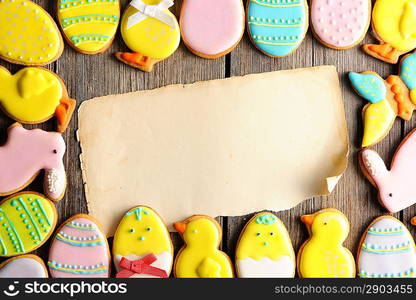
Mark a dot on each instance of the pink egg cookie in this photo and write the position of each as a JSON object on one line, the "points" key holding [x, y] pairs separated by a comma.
{"points": [[340, 24], [79, 250], [212, 28]]}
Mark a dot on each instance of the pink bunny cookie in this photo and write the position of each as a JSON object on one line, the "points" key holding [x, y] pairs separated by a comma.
{"points": [[25, 154], [396, 187]]}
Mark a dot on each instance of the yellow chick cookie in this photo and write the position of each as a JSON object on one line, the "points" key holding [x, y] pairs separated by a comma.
{"points": [[264, 249], [142, 247], [200, 257], [323, 255]]}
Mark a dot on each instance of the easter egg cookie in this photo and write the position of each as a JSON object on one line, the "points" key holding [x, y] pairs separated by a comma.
{"points": [[386, 250], [212, 28], [277, 27], [394, 25], [34, 95], [264, 249], [142, 247], [340, 24], [151, 31], [80, 250], [27, 220], [25, 154], [200, 256], [29, 35], [23, 266], [395, 186], [89, 26], [323, 254]]}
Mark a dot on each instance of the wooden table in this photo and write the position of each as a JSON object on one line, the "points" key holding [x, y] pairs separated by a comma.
{"points": [[98, 75]]}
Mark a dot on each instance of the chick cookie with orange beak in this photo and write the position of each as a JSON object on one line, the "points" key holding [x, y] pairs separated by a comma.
{"points": [[200, 256], [323, 255]]}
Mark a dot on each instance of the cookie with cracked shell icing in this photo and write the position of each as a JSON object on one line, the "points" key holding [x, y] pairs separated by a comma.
{"points": [[386, 250], [89, 26], [264, 249], [395, 186], [29, 34], [200, 256], [27, 221], [33, 95], [142, 239], [25, 154], [340, 24], [79, 250], [212, 28], [151, 31], [23, 266], [277, 27], [394, 25], [323, 254]]}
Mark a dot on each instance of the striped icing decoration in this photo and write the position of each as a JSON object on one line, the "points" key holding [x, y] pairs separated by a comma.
{"points": [[406, 274], [78, 269], [90, 241], [386, 231], [71, 4], [393, 249], [81, 226]]}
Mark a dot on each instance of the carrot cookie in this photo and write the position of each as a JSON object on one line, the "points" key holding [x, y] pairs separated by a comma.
{"points": [[23, 266]]}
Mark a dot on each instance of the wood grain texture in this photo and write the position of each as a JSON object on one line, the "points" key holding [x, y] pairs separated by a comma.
{"points": [[97, 75]]}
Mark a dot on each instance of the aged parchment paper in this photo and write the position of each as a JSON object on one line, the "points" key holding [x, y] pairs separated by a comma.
{"points": [[223, 148]]}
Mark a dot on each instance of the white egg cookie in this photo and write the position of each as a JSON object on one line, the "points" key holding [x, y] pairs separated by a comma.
{"points": [[264, 249], [387, 250], [23, 266], [142, 247]]}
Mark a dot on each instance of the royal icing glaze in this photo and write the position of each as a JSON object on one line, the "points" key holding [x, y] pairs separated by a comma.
{"points": [[79, 250], [140, 233], [212, 27], [408, 74], [26, 222], [24, 266], [340, 23], [323, 255], [395, 186], [200, 256], [387, 250], [28, 34], [89, 25], [25, 154], [264, 249], [277, 27]]}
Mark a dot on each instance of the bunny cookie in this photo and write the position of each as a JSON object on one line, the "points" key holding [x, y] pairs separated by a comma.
{"points": [[395, 187]]}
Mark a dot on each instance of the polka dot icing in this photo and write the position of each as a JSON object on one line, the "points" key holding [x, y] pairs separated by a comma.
{"points": [[340, 23], [28, 34]]}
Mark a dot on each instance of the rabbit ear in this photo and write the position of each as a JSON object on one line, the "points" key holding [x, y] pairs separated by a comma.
{"points": [[374, 165]]}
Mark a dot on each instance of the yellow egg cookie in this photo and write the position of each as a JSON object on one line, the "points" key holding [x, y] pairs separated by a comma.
{"points": [[151, 31], [323, 255], [28, 34], [34, 95], [142, 247], [89, 26], [200, 256], [264, 249]]}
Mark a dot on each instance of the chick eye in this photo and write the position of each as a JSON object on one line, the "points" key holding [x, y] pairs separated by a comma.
{"points": [[271, 233], [258, 233], [194, 231], [131, 230], [390, 195], [148, 229], [325, 223]]}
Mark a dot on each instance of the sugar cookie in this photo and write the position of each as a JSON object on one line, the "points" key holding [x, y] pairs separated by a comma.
{"points": [[23, 266]]}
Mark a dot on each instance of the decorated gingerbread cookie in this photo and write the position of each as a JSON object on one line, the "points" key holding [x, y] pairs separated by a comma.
{"points": [[340, 24], [89, 26], [395, 96], [29, 35], [395, 186], [25, 154], [323, 254], [277, 27], [79, 250], [212, 28], [200, 256], [151, 31], [386, 250], [23, 266], [142, 247], [264, 249], [27, 220], [394, 25], [34, 95]]}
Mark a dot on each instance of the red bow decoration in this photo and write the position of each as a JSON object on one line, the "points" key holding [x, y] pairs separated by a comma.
{"points": [[140, 266]]}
